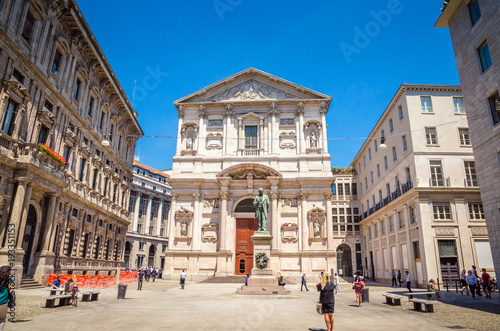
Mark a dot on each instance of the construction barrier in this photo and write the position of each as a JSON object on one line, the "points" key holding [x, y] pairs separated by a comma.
{"points": [[96, 281]]}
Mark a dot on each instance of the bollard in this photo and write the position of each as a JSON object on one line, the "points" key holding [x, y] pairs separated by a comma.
{"points": [[122, 289]]}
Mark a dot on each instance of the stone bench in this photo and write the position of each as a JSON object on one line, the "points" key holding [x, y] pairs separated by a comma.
{"points": [[391, 298], [417, 305], [90, 296], [412, 294], [64, 300]]}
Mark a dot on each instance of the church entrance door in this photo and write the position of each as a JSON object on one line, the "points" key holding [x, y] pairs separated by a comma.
{"points": [[245, 228]]}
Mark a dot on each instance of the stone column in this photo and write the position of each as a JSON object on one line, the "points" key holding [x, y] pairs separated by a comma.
{"points": [[180, 112], [300, 111], [329, 221], [158, 219], [49, 223], [148, 215], [241, 136], [227, 125], [171, 221], [196, 230], [24, 217], [274, 220], [324, 140], [136, 213], [17, 206], [303, 240], [223, 216], [6, 209], [201, 137], [67, 209]]}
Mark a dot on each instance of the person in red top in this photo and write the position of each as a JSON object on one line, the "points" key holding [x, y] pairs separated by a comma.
{"points": [[486, 283], [358, 285]]}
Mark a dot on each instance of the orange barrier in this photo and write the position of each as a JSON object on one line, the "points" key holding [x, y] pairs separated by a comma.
{"points": [[96, 281]]}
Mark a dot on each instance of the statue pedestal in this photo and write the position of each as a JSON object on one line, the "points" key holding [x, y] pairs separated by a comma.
{"points": [[262, 281]]}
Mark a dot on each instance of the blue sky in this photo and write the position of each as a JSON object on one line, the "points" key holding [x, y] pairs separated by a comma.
{"points": [[191, 44]]}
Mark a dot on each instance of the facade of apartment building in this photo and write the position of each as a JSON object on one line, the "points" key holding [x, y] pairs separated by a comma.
{"points": [[419, 197], [475, 34], [248, 131], [147, 238], [59, 98]]}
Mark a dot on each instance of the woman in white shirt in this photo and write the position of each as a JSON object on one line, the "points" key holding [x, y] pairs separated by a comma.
{"points": [[472, 282]]}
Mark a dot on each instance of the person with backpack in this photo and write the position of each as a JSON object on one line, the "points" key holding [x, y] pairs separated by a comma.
{"points": [[358, 286], [6, 290], [327, 299]]}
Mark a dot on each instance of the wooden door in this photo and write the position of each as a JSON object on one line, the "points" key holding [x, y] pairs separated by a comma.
{"points": [[245, 228]]}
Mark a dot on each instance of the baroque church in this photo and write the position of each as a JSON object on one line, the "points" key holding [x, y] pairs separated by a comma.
{"points": [[248, 131]]}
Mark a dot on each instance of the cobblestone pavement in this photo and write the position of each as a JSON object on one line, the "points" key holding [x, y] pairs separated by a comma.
{"points": [[164, 306]]}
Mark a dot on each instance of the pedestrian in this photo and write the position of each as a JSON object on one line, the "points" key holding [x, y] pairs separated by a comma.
{"points": [[281, 282], [147, 274], [304, 282], [337, 283], [399, 278], [246, 279], [153, 274], [139, 279], [358, 286], [394, 284], [432, 287], [408, 281], [6, 287], [472, 282], [463, 283], [485, 277], [478, 288], [327, 299], [183, 279]]}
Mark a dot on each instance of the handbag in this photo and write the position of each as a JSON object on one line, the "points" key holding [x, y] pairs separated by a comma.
{"points": [[12, 299], [318, 308]]}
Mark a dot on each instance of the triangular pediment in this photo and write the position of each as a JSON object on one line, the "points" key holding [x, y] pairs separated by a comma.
{"points": [[252, 85]]}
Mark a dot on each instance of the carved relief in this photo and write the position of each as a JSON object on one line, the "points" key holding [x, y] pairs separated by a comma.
{"points": [[251, 90], [445, 231], [289, 202], [288, 140], [209, 232], [211, 203], [479, 231], [289, 232], [249, 174], [214, 141]]}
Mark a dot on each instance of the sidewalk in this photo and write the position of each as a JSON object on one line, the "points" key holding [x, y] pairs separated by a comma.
{"points": [[217, 307]]}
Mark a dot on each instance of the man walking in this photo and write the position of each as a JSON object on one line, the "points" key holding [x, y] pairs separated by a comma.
{"points": [[408, 281], [478, 287], [337, 282], [399, 278], [183, 279], [304, 280], [153, 274], [139, 280], [486, 283], [394, 284]]}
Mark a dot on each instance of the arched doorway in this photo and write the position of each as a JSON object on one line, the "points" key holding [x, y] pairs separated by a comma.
{"points": [[344, 262], [245, 228], [128, 249], [151, 256], [28, 237]]}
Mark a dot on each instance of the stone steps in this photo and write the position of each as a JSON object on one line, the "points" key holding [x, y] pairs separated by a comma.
{"points": [[239, 279], [29, 283]]}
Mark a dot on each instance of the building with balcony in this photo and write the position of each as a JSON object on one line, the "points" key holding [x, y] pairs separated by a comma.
{"points": [[475, 34], [419, 198], [248, 131], [63, 194], [147, 238]]}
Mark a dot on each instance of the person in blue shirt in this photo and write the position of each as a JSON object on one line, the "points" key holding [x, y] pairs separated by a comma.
{"points": [[304, 282], [57, 282], [246, 279], [6, 286]]}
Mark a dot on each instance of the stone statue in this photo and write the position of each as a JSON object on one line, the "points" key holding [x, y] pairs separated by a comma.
{"points": [[314, 141], [184, 229], [317, 229], [189, 143], [261, 204]]}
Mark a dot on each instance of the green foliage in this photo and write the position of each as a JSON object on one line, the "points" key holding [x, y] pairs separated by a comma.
{"points": [[340, 170]]}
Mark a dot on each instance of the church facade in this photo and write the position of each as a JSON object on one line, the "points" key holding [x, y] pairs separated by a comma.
{"points": [[245, 132]]}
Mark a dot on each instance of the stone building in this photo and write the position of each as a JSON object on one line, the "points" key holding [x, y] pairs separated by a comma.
{"points": [[419, 196], [147, 238], [475, 33], [58, 89], [248, 131]]}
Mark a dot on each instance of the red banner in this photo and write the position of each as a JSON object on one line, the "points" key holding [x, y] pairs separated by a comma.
{"points": [[96, 281]]}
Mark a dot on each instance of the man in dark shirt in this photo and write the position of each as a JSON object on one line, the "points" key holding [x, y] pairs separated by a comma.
{"points": [[486, 283], [139, 281]]}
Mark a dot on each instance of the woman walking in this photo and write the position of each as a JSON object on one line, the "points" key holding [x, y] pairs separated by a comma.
{"points": [[463, 283], [358, 285], [327, 299], [472, 282], [5, 289]]}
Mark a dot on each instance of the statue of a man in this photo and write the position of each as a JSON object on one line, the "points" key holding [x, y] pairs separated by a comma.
{"points": [[261, 204]]}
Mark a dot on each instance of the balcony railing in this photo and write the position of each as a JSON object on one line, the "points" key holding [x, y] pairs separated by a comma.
{"points": [[249, 152], [439, 182], [471, 182], [394, 195]]}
